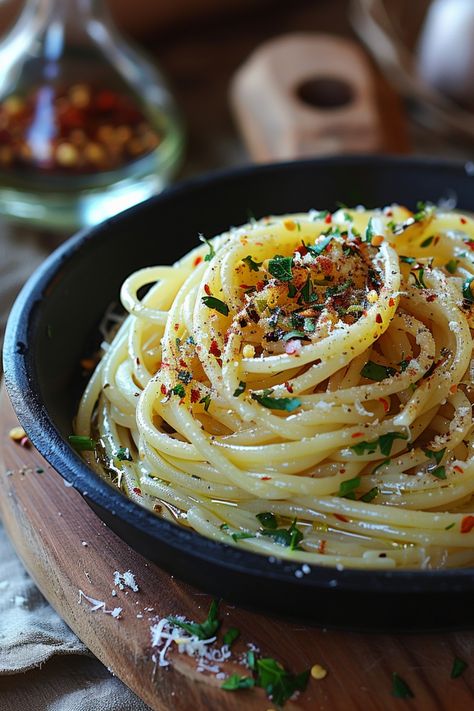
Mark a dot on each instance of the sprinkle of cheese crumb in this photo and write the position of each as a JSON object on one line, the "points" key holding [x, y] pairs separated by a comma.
{"points": [[318, 672], [248, 351], [372, 296]]}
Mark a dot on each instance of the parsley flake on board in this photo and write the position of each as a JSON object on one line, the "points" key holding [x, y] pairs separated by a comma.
{"points": [[400, 688], [213, 303], [236, 682], [212, 251], [204, 630], [459, 667], [375, 371], [280, 268], [278, 683], [253, 266], [82, 444], [277, 403]]}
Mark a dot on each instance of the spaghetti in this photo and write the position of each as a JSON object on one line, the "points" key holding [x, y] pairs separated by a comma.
{"points": [[301, 387]]}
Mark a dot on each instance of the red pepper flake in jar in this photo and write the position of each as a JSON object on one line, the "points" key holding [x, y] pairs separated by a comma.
{"points": [[467, 524], [75, 129]]}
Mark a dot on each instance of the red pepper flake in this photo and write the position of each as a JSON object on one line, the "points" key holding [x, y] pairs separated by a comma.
{"points": [[467, 524], [328, 219], [453, 389], [246, 286], [207, 289], [265, 478], [138, 491], [470, 244], [289, 387], [197, 261], [389, 213], [176, 326], [195, 395], [260, 244], [163, 389], [458, 469], [378, 319], [462, 220], [436, 240], [340, 517], [183, 363], [357, 434], [322, 546], [260, 285], [302, 250], [391, 302], [385, 403], [431, 298], [214, 349], [219, 362]]}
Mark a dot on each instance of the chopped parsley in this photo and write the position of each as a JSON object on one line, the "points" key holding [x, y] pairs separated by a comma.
{"points": [[306, 294], [268, 520], [213, 303], [317, 249], [277, 403], [278, 683], [384, 442], [400, 688], [439, 472], [421, 211], [253, 266], [179, 390], [375, 371], [82, 444], [370, 495], [309, 324], [230, 636], [236, 535], [240, 389], [451, 266], [319, 215], [347, 488], [404, 364], [289, 537], [235, 682], [338, 289], [206, 401], [212, 251], [407, 260], [419, 277], [280, 268], [204, 630], [437, 456], [369, 232], [123, 455], [295, 334], [459, 667], [466, 289], [426, 242]]}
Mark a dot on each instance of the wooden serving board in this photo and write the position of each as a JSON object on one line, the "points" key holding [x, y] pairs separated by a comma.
{"points": [[49, 524]]}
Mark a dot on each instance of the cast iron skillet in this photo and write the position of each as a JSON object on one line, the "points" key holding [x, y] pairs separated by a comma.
{"points": [[54, 324]]}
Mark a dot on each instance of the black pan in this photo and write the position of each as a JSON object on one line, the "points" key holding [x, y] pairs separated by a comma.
{"points": [[54, 324]]}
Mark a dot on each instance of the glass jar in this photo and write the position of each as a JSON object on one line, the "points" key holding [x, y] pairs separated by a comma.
{"points": [[87, 125]]}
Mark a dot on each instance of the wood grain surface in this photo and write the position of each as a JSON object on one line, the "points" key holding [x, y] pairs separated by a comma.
{"points": [[66, 548]]}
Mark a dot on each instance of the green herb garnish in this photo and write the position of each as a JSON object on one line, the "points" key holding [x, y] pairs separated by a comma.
{"points": [[348, 487], [213, 303], [437, 456], [268, 520], [204, 630], [306, 292], [230, 636], [370, 495], [419, 278], [400, 688], [466, 289], [289, 537], [253, 266], [439, 472], [123, 455], [451, 525], [212, 251], [404, 364], [236, 535], [384, 442], [206, 401], [375, 371], [278, 683], [82, 444], [236, 682], [452, 266], [426, 242], [280, 268], [240, 389], [277, 403], [309, 324], [179, 390], [295, 334], [407, 260], [459, 666], [317, 249], [369, 232]]}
